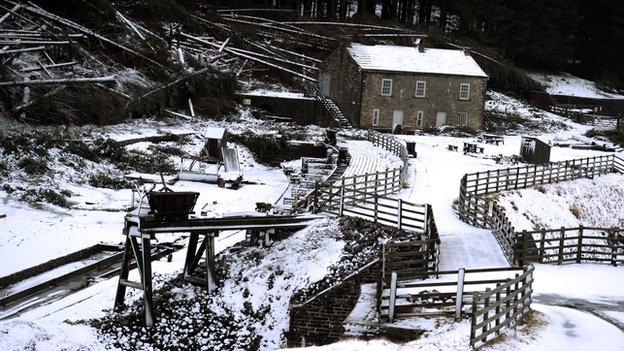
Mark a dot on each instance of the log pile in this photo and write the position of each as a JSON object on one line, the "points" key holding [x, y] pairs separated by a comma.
{"points": [[43, 60]]}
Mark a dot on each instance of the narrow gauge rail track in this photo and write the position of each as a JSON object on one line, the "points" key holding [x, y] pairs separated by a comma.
{"points": [[48, 282]]}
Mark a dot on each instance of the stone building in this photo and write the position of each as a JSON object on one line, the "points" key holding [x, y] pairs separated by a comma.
{"points": [[381, 86]]}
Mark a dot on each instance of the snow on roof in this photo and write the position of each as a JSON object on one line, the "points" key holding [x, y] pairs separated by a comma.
{"points": [[409, 59], [214, 133]]}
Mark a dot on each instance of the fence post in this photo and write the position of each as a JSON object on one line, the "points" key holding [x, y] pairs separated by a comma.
{"points": [[579, 245], [612, 239], [427, 227], [561, 244], [497, 310], [473, 320], [316, 196], [486, 314], [391, 303], [542, 245], [400, 214], [386, 181], [375, 207], [459, 297], [342, 195]]}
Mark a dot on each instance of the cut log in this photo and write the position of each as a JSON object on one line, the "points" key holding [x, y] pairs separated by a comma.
{"points": [[58, 81], [8, 14], [75, 26], [28, 103], [17, 51], [46, 67]]}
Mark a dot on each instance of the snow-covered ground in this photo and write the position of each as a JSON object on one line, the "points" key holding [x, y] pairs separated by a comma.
{"points": [[567, 84], [597, 202]]}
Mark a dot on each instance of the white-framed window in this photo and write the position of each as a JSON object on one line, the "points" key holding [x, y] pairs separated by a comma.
{"points": [[421, 89], [464, 91], [420, 115], [462, 117], [386, 87], [376, 117]]}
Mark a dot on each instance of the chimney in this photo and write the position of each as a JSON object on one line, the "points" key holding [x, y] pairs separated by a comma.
{"points": [[421, 44], [466, 50]]}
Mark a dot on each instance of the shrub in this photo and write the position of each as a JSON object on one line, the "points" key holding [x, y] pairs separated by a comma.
{"points": [[36, 196], [33, 166], [108, 181]]}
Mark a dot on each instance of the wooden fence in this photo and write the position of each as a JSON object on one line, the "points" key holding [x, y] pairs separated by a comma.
{"points": [[478, 207], [341, 201], [504, 306], [364, 195], [564, 245], [475, 206], [449, 293], [389, 143]]}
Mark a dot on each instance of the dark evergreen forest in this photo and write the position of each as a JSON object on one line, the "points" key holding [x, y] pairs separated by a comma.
{"points": [[585, 37]]}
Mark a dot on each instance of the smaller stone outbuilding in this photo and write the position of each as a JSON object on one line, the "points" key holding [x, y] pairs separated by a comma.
{"points": [[382, 86]]}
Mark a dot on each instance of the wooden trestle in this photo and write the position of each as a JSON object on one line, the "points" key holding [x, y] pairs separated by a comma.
{"points": [[139, 231]]}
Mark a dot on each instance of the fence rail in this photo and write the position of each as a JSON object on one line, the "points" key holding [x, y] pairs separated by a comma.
{"points": [[389, 143], [478, 207], [504, 306], [449, 293], [580, 244], [341, 201], [364, 195]]}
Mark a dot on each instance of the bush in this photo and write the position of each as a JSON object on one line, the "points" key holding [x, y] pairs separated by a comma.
{"points": [[33, 166], [103, 180], [36, 196]]}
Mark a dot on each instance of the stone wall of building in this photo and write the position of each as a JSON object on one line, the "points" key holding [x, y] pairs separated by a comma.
{"points": [[345, 83], [442, 95], [320, 320]]}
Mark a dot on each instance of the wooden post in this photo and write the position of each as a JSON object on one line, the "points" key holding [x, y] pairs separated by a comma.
{"points": [[508, 303], [473, 319], [579, 246], [147, 279], [497, 310], [124, 270], [459, 296], [486, 314], [375, 207], [612, 239], [209, 262], [381, 278], [385, 181], [392, 301], [342, 195], [561, 244], [542, 246], [316, 196], [400, 214]]}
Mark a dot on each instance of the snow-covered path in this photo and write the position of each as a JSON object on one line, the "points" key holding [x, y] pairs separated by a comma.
{"points": [[367, 158], [438, 173]]}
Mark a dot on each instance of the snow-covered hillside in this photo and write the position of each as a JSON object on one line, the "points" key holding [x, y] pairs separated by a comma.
{"points": [[597, 202]]}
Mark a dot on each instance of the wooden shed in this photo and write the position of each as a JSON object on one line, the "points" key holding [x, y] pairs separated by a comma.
{"points": [[534, 150], [215, 142]]}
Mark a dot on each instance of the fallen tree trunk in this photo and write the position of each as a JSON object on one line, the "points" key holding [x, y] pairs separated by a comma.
{"points": [[58, 81]]}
